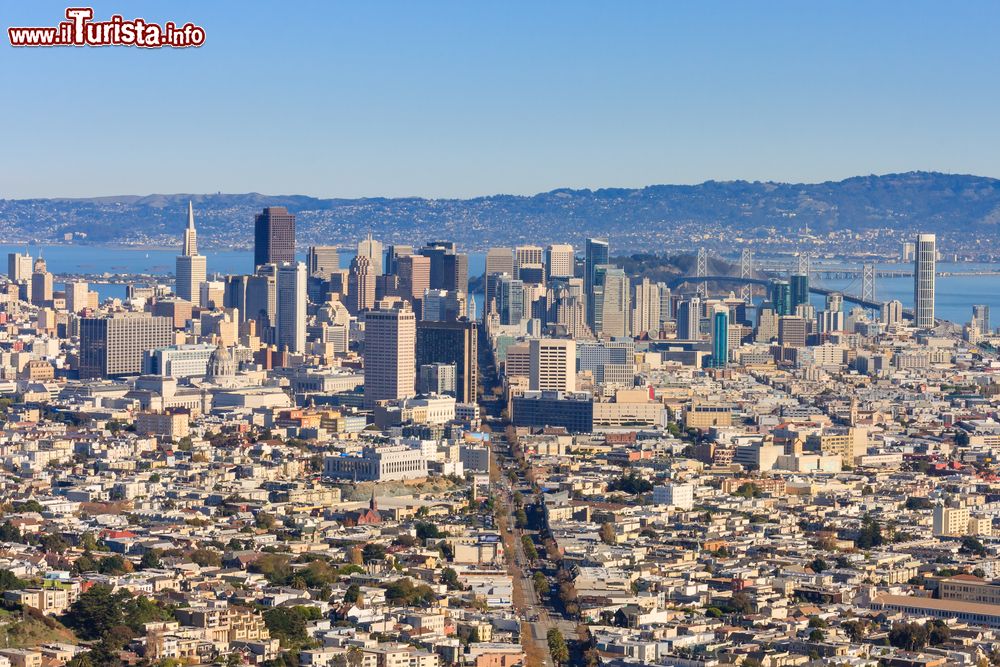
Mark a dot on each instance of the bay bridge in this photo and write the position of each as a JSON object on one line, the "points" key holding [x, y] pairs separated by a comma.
{"points": [[765, 274]]}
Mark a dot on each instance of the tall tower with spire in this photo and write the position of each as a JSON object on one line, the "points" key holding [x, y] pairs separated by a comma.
{"points": [[190, 234], [191, 267]]}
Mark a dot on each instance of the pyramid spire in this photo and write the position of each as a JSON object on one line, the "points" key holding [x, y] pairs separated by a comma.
{"points": [[190, 235]]}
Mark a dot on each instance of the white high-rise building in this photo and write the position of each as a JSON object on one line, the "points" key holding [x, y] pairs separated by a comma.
{"points": [[77, 296], [553, 364], [390, 353], [646, 308], [559, 261], [191, 268], [290, 307], [924, 270], [981, 318], [19, 267], [689, 319], [892, 312], [666, 312], [612, 302]]}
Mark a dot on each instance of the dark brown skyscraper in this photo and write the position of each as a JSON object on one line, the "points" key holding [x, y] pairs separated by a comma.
{"points": [[449, 269], [274, 236], [452, 343]]}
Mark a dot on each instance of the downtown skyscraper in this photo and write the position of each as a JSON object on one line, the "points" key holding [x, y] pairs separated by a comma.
{"points": [[455, 343], [612, 302], [390, 353], [290, 324], [372, 249], [191, 268], [720, 338], [924, 273], [559, 261], [597, 253], [274, 236]]}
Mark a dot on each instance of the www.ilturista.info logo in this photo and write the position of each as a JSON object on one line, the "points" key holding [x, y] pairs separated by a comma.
{"points": [[81, 30]]}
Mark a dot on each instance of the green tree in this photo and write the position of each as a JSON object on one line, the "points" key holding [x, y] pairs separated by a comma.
{"points": [[748, 490], [287, 624], [631, 484], [740, 603], [607, 533], [449, 577], [137, 611], [404, 592], [84, 563], [870, 535], [353, 594], [29, 506], [818, 565], [373, 552], [9, 581], [206, 557], [96, 611], [9, 532], [938, 632], [540, 583], [856, 630], [404, 540], [972, 545], [908, 636], [276, 567], [81, 660], [53, 542], [114, 565], [88, 542], [557, 646], [428, 531], [150, 559], [530, 552]]}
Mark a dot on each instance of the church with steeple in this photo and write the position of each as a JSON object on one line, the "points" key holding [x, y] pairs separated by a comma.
{"points": [[364, 517]]}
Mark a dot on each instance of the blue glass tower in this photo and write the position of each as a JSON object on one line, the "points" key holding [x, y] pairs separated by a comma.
{"points": [[781, 297], [720, 339]]}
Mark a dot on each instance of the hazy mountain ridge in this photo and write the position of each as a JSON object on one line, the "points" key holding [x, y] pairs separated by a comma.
{"points": [[637, 218]]}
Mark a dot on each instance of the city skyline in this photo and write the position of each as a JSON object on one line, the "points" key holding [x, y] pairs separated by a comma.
{"points": [[733, 423], [717, 91]]}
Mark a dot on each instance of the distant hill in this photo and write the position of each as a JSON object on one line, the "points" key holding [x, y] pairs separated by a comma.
{"points": [[650, 218]]}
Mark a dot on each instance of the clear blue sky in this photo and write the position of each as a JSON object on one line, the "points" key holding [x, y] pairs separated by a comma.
{"points": [[465, 98]]}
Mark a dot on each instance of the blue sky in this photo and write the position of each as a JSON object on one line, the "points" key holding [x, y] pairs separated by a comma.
{"points": [[457, 99]]}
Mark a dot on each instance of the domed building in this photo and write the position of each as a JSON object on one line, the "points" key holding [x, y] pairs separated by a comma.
{"points": [[221, 367]]}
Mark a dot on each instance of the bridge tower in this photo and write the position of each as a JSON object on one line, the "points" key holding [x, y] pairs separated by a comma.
{"points": [[701, 270], [868, 282], [803, 267], [746, 272]]}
